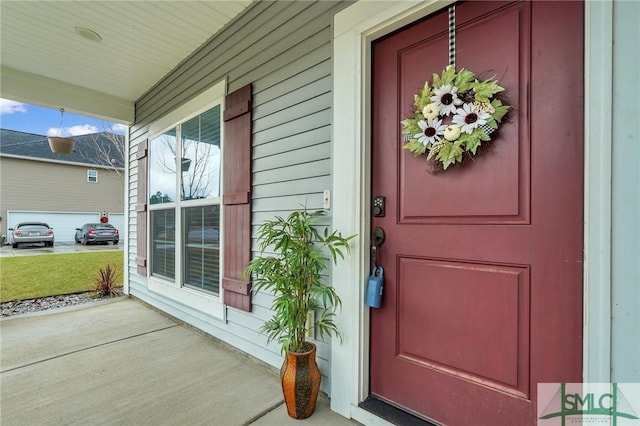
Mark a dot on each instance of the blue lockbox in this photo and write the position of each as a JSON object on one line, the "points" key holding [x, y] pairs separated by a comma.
{"points": [[374, 287]]}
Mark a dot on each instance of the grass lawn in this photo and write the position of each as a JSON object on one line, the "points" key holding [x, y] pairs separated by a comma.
{"points": [[28, 277]]}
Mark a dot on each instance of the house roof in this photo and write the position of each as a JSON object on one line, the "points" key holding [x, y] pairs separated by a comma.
{"points": [[95, 149], [49, 59]]}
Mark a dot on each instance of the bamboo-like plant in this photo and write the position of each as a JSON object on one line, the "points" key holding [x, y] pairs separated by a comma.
{"points": [[294, 276]]}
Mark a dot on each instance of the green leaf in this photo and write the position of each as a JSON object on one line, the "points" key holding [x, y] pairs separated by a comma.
{"points": [[422, 99], [463, 80], [472, 141], [450, 153], [417, 148], [436, 80], [500, 112], [448, 75], [472, 145], [410, 126], [484, 90], [483, 136], [496, 103]]}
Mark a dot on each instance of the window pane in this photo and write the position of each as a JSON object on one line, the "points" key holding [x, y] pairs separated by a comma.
{"points": [[201, 261], [200, 177], [163, 243], [162, 168]]}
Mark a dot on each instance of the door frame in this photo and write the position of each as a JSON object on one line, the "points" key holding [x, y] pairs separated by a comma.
{"points": [[354, 29]]}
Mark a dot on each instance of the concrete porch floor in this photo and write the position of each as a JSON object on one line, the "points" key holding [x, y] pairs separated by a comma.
{"points": [[123, 363]]}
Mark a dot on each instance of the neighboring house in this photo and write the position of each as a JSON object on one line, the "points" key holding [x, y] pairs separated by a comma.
{"points": [[65, 191], [519, 268]]}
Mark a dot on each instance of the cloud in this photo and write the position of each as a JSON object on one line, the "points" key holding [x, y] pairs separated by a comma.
{"points": [[119, 128], [82, 129], [10, 107]]}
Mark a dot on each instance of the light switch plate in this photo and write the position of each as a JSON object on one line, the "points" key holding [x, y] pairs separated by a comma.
{"points": [[326, 199]]}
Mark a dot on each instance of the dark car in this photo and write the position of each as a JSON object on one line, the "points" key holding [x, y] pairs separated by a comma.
{"points": [[31, 233], [92, 233]]}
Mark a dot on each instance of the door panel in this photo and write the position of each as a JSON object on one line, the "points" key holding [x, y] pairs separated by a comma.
{"points": [[484, 193], [458, 311], [483, 262]]}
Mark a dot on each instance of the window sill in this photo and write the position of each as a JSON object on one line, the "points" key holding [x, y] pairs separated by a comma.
{"points": [[203, 302]]}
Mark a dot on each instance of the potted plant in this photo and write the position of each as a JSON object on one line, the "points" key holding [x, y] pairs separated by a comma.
{"points": [[293, 274], [61, 145]]}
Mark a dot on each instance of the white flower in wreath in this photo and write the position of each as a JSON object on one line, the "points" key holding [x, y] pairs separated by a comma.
{"points": [[446, 99], [432, 131], [469, 117]]}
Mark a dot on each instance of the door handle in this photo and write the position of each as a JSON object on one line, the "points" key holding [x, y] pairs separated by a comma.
{"points": [[378, 236], [377, 240]]}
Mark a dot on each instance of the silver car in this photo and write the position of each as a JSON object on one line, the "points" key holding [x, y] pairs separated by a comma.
{"points": [[93, 233], [31, 233]]}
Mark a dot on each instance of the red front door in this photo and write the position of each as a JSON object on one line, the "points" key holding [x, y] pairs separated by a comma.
{"points": [[483, 263]]}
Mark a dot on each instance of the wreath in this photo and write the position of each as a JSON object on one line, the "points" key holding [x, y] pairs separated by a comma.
{"points": [[453, 116]]}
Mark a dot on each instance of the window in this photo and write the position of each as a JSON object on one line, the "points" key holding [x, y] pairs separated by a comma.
{"points": [[201, 256], [184, 203], [92, 176]]}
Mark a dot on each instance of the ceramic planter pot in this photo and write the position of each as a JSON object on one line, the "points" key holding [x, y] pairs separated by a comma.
{"points": [[300, 377], [61, 145]]}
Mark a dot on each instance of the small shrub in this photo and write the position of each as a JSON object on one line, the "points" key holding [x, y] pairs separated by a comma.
{"points": [[106, 282]]}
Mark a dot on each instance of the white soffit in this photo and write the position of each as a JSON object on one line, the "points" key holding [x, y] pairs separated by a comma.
{"points": [[46, 62]]}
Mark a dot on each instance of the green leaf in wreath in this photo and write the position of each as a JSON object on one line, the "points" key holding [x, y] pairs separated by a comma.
{"points": [[472, 146], [410, 127], [436, 80], [500, 110], [464, 80], [450, 153], [474, 140], [424, 98], [484, 90], [491, 122], [415, 147], [448, 76]]}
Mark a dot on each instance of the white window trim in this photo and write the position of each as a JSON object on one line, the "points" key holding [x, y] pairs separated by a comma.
{"points": [[89, 176], [199, 300], [353, 31]]}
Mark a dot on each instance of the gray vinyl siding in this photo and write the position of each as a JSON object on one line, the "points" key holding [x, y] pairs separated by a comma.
{"points": [[284, 50]]}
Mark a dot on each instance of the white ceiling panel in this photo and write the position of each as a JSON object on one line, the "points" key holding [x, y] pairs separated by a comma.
{"points": [[45, 61]]}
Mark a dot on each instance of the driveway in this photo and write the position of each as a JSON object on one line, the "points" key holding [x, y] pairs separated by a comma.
{"points": [[59, 247]]}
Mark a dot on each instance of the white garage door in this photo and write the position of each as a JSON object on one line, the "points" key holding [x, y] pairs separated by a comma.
{"points": [[64, 224]]}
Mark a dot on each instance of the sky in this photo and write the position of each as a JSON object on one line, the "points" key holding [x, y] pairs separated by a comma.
{"points": [[44, 121]]}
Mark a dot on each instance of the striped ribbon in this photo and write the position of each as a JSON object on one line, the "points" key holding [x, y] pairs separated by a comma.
{"points": [[452, 35], [452, 51]]}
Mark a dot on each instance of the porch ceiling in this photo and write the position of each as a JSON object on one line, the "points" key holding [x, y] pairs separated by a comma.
{"points": [[46, 62]]}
